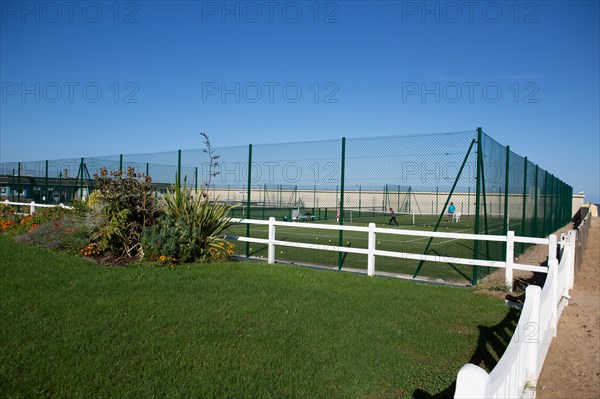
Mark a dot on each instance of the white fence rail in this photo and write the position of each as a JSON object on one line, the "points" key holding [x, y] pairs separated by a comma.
{"points": [[32, 205], [524, 357], [516, 373], [372, 252]]}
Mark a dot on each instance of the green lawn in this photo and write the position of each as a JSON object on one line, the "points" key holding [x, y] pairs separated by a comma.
{"points": [[70, 328]]}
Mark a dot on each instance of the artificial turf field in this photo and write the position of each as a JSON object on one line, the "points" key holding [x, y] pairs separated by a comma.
{"points": [[443, 247]]}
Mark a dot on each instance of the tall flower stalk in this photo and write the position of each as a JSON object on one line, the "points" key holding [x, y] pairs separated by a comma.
{"points": [[212, 167]]}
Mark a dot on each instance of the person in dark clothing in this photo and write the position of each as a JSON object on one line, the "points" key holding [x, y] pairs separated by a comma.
{"points": [[392, 217]]}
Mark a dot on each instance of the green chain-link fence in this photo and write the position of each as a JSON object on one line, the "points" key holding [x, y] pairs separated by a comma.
{"points": [[348, 181]]}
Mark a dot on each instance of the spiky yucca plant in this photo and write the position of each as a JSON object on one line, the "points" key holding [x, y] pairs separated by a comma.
{"points": [[190, 227]]}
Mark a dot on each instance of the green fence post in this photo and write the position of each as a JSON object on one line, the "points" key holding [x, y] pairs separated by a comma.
{"points": [[82, 171], [121, 165], [554, 202], [562, 203], [196, 178], [524, 218], [570, 203], [478, 179], [179, 168], [506, 183], [564, 207], [46, 184], [248, 198], [147, 169], [559, 202], [566, 213], [551, 205], [485, 210], [567, 206], [535, 203], [19, 186], [551, 209], [341, 233], [12, 188], [545, 211], [558, 205]]}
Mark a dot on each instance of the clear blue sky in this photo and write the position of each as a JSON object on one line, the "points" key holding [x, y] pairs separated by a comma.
{"points": [[94, 78]]}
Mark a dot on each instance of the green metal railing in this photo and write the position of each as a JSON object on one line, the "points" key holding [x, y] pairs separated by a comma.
{"points": [[495, 189]]}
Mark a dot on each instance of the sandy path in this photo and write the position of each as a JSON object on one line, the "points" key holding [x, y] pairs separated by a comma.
{"points": [[572, 366]]}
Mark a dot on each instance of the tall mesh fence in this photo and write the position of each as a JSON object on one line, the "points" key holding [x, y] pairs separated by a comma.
{"points": [[348, 181]]}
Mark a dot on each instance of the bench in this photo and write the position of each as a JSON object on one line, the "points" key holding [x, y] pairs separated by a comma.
{"points": [[301, 217]]}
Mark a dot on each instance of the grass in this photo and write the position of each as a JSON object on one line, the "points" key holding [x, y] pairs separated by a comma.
{"points": [[450, 248], [70, 328]]}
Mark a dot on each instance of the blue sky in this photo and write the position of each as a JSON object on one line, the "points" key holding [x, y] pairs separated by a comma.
{"points": [[95, 78]]}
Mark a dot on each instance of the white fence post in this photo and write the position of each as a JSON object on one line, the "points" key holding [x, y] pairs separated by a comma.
{"points": [[554, 294], [471, 382], [552, 247], [571, 265], [271, 244], [510, 255], [371, 247], [532, 295], [32, 208]]}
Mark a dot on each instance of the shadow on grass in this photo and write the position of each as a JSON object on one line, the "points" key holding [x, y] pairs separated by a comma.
{"points": [[491, 345]]}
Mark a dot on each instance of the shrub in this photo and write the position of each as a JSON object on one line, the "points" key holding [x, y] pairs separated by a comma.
{"points": [[120, 210], [189, 228], [68, 234]]}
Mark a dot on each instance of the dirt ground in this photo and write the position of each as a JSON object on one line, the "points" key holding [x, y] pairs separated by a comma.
{"points": [[572, 366]]}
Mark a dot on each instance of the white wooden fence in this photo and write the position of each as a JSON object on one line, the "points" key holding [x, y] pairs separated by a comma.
{"points": [[516, 374], [32, 205], [520, 366], [517, 371], [372, 252]]}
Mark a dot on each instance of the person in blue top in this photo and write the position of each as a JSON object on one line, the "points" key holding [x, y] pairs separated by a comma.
{"points": [[451, 210]]}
